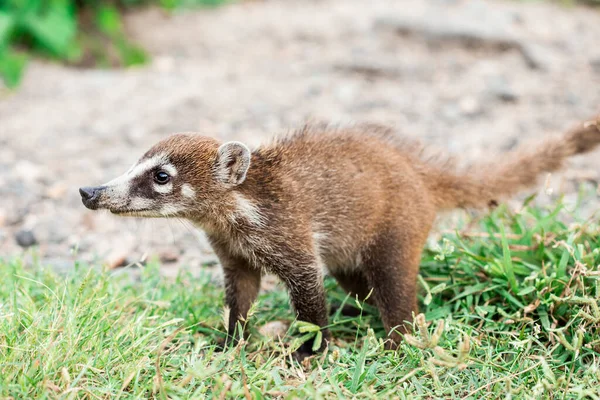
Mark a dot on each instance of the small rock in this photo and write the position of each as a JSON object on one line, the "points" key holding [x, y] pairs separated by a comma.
{"points": [[212, 262], [572, 99], [510, 144], [27, 171], [451, 112], [537, 56], [88, 221], [17, 216], [25, 238], [57, 233], [168, 255], [470, 106], [500, 89], [595, 63], [274, 329], [118, 257], [370, 68], [56, 191], [473, 25]]}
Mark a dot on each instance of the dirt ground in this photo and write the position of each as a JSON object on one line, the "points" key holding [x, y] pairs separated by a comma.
{"points": [[474, 78]]}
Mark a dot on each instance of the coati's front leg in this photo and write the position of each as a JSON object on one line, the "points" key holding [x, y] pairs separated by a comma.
{"points": [[307, 295], [242, 284], [302, 275]]}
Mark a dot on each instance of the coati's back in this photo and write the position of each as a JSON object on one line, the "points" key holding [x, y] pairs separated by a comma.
{"points": [[346, 184], [350, 184]]}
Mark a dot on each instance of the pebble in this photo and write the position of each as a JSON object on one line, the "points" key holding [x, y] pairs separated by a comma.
{"points": [[274, 329], [56, 191], [501, 89], [536, 56], [595, 63], [25, 238], [470, 106], [119, 257], [169, 255], [27, 171], [473, 24]]}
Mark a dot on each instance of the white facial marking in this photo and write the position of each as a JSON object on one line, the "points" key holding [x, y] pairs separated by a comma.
{"points": [[148, 164], [188, 191], [120, 185], [169, 210], [163, 189], [170, 169], [140, 203], [119, 188], [248, 210]]}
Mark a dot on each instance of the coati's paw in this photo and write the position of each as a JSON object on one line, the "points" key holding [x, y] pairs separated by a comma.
{"points": [[306, 349]]}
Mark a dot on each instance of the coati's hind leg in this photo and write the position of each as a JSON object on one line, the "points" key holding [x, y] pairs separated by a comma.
{"points": [[391, 265]]}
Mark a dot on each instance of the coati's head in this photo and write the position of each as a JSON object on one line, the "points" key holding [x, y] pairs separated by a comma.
{"points": [[184, 175]]}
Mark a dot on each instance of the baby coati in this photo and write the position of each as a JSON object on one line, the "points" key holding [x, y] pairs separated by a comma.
{"points": [[358, 201]]}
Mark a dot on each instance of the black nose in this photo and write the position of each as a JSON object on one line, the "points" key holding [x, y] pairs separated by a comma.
{"points": [[88, 193]]}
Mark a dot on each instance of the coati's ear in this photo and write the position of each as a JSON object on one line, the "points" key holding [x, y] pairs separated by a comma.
{"points": [[233, 161]]}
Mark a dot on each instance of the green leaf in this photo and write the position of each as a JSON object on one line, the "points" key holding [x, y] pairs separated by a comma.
{"points": [[511, 299], [507, 262], [55, 30], [132, 55], [526, 290], [7, 22], [438, 313], [358, 369], [12, 65], [109, 21], [543, 313], [304, 327], [317, 343]]}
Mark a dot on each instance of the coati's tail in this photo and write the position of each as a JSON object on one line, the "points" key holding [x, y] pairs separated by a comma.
{"points": [[485, 185]]}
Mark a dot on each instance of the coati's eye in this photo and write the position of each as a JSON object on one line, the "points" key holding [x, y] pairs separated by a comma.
{"points": [[161, 177]]}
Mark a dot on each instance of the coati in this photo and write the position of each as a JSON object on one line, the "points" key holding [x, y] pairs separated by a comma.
{"points": [[359, 201]]}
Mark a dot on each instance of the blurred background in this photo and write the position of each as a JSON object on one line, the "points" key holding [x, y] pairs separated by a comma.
{"points": [[87, 86]]}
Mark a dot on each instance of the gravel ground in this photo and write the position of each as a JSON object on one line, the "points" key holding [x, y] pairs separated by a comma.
{"points": [[473, 78]]}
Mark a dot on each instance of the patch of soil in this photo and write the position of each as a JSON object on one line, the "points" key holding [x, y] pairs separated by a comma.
{"points": [[473, 78]]}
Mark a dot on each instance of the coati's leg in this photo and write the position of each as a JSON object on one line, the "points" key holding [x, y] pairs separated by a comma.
{"points": [[302, 275], [391, 265], [307, 295], [242, 284]]}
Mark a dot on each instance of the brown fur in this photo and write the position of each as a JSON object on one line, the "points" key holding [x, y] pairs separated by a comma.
{"points": [[359, 201]]}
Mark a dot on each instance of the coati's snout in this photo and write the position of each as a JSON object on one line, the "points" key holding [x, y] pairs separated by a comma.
{"points": [[181, 176], [90, 195]]}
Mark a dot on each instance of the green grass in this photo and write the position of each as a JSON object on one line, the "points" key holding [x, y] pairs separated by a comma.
{"points": [[512, 310]]}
